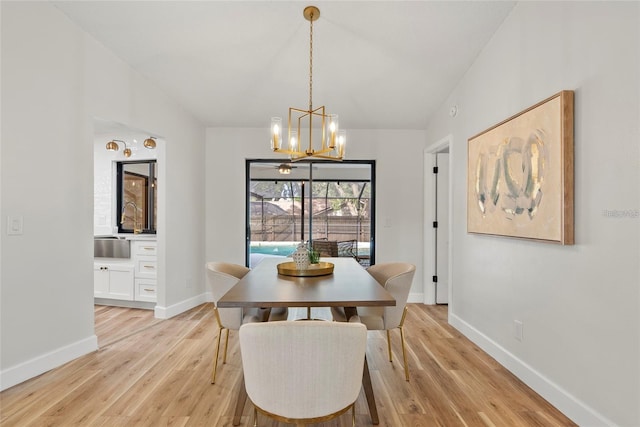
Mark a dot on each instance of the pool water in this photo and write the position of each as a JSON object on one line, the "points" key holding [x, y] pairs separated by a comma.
{"points": [[282, 249], [287, 248]]}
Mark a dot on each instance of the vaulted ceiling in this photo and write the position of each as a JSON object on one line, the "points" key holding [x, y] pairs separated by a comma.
{"points": [[379, 64]]}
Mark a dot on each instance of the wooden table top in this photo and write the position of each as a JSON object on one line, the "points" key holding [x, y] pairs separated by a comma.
{"points": [[349, 286]]}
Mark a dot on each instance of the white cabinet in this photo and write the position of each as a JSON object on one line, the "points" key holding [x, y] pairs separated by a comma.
{"points": [[146, 267], [131, 279], [113, 280]]}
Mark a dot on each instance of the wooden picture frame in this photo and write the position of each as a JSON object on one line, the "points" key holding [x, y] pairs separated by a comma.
{"points": [[520, 174]]}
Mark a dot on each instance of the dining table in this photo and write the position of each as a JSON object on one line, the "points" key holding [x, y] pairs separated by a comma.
{"points": [[348, 286]]}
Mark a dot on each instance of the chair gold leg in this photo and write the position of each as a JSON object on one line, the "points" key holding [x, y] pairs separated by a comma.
{"points": [[389, 345], [404, 353], [255, 417], [226, 344], [215, 358], [353, 415]]}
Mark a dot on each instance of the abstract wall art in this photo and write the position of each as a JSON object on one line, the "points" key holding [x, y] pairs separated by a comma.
{"points": [[520, 174]]}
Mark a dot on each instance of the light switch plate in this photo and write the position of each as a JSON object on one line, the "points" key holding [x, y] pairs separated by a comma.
{"points": [[517, 331], [14, 225]]}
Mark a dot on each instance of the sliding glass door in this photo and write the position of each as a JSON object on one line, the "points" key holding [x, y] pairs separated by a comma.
{"points": [[305, 201]]}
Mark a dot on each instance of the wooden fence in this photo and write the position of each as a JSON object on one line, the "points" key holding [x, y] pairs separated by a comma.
{"points": [[288, 228]]}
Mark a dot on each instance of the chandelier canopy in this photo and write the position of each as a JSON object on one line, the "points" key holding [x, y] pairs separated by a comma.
{"points": [[333, 139]]}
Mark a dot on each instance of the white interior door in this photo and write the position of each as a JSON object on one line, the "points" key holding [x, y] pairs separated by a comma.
{"points": [[442, 230]]}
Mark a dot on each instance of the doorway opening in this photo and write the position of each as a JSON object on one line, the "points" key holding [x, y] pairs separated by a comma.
{"points": [[310, 201], [437, 211], [128, 209]]}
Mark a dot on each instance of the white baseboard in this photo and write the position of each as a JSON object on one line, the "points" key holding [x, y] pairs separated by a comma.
{"points": [[181, 307], [41, 364], [573, 408], [417, 297]]}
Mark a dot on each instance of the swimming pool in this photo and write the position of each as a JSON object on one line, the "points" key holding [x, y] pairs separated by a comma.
{"points": [[273, 248], [287, 248]]}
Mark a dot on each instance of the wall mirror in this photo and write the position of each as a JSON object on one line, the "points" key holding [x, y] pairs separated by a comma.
{"points": [[137, 199]]}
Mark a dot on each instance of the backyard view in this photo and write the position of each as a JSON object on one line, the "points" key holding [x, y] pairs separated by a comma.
{"points": [[338, 211]]}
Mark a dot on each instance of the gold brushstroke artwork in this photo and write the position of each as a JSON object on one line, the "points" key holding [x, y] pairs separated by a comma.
{"points": [[520, 174]]}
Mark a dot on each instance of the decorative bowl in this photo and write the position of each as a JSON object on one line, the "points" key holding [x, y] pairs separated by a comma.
{"points": [[319, 269]]}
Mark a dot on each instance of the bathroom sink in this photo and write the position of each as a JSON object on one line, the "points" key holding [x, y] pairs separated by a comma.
{"points": [[111, 247]]}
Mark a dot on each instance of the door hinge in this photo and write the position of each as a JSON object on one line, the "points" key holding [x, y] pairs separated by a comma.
{"points": [[435, 169], [435, 224], [435, 279]]}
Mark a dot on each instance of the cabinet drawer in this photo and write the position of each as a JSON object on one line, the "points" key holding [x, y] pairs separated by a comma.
{"points": [[146, 266], [143, 248], [146, 290]]}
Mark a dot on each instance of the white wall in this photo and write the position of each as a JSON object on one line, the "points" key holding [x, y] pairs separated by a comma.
{"points": [[579, 304], [55, 80], [398, 156]]}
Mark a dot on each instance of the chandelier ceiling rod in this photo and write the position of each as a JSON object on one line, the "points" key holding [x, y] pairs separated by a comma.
{"points": [[311, 17]]}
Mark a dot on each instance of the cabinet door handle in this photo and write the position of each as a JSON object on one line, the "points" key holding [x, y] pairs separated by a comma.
{"points": [[149, 290], [148, 266], [148, 248]]}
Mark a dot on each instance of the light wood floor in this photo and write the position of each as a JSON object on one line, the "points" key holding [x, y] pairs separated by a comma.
{"points": [[156, 373]]}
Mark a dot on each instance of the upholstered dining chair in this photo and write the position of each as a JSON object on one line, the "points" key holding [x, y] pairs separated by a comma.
{"points": [[221, 276], [303, 372], [396, 277]]}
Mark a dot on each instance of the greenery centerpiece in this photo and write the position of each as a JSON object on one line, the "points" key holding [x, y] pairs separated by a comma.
{"points": [[314, 256]]}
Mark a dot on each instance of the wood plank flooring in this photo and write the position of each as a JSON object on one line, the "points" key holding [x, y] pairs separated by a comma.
{"points": [[151, 372]]}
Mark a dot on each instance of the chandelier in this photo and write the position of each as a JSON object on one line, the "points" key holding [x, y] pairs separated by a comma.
{"points": [[333, 140]]}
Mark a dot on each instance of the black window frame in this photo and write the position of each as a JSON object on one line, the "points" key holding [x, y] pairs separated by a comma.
{"points": [[150, 196], [310, 162]]}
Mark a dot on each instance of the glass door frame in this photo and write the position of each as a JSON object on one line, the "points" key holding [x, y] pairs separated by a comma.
{"points": [[309, 180]]}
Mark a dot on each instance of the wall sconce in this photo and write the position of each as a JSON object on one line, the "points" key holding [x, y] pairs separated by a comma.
{"points": [[150, 143], [112, 145]]}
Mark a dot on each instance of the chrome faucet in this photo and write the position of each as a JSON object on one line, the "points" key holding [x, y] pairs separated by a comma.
{"points": [[136, 230]]}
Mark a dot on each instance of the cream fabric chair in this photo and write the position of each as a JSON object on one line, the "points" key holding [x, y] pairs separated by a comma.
{"points": [[221, 276], [396, 277], [303, 372]]}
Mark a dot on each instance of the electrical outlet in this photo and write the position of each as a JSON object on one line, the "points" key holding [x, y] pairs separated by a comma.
{"points": [[14, 225], [517, 330]]}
